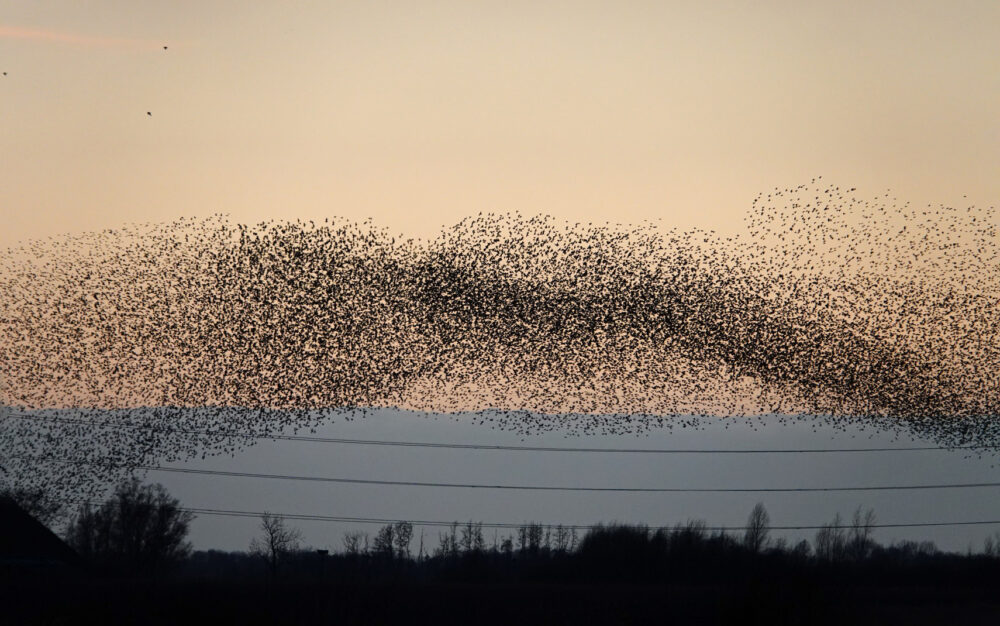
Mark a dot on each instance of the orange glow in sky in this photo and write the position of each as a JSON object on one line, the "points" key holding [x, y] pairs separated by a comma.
{"points": [[419, 114]]}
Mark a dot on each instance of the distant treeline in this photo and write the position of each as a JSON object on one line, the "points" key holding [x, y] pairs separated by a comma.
{"points": [[685, 554], [141, 532], [140, 569]]}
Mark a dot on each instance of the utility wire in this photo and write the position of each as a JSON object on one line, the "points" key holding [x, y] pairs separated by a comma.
{"points": [[414, 483], [378, 520]]}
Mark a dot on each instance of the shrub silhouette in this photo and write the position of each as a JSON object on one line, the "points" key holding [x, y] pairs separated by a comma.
{"points": [[618, 550]]}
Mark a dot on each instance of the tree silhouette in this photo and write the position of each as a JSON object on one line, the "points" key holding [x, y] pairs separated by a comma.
{"points": [[403, 536], [385, 540], [141, 529], [831, 540], [561, 538], [802, 549], [859, 541], [472, 537], [535, 535], [507, 546], [991, 545], [448, 541], [276, 542], [354, 542], [758, 528]]}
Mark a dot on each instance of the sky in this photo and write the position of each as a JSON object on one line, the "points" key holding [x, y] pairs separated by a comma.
{"points": [[303, 458], [418, 114]]}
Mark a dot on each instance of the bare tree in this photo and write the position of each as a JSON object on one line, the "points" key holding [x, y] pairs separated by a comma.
{"points": [[991, 545], [688, 534], [276, 542], [478, 540], [831, 540], [466, 539], [561, 538], [535, 535], [448, 541], [385, 541], [859, 542], [404, 535], [354, 542], [758, 528], [472, 537]]}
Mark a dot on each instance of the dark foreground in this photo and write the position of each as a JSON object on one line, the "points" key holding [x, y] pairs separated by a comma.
{"points": [[66, 601], [614, 575]]}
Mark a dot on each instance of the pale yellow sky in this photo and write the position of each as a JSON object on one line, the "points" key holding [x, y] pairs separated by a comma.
{"points": [[417, 114]]}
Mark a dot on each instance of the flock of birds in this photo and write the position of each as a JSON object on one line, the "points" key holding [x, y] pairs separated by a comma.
{"points": [[162, 342]]}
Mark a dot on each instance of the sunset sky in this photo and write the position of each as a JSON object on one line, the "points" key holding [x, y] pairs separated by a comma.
{"points": [[417, 114]]}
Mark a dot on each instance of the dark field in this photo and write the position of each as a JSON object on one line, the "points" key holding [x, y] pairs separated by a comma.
{"points": [[177, 602], [887, 587]]}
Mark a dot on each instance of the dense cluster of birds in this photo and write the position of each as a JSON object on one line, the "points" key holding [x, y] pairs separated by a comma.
{"points": [[200, 335]]}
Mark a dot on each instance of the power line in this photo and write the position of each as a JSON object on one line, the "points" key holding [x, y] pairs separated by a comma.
{"points": [[358, 520], [414, 483], [514, 525], [517, 448]]}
